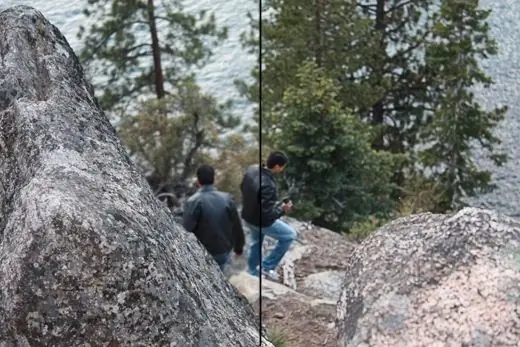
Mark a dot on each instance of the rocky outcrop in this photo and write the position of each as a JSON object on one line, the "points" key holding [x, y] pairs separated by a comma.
{"points": [[434, 280], [303, 308], [87, 254]]}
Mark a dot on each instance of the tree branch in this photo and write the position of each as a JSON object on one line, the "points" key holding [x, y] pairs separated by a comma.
{"points": [[396, 7], [199, 141], [104, 40], [367, 8]]}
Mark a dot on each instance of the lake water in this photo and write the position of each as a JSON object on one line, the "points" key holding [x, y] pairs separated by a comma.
{"points": [[231, 61]]}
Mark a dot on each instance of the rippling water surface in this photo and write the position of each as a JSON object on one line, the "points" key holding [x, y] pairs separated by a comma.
{"points": [[231, 62]]}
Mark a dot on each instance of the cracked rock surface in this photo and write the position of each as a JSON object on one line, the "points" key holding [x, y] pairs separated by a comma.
{"points": [[434, 280], [87, 254]]}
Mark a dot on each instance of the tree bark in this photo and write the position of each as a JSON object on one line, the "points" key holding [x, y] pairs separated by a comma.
{"points": [[378, 116], [158, 72], [317, 27]]}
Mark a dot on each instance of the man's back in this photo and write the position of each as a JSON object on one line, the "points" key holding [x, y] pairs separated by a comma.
{"points": [[259, 199], [250, 188], [212, 216]]}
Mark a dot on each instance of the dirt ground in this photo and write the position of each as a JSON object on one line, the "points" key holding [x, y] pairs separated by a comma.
{"points": [[303, 324]]}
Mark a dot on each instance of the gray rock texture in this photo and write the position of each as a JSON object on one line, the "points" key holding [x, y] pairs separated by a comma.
{"points": [[88, 257], [434, 280]]}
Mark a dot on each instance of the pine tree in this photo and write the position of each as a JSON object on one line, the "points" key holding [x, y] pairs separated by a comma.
{"points": [[461, 38], [384, 57], [410, 68], [145, 54], [169, 149], [143, 48], [326, 32], [395, 69], [338, 178]]}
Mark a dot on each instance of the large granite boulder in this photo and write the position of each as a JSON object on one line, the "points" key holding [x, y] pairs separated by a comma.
{"points": [[434, 280], [87, 255]]}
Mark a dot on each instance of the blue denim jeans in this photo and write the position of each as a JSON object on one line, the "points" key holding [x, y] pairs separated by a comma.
{"points": [[222, 259], [279, 230]]}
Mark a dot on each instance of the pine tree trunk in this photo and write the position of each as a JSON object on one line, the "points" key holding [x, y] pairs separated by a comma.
{"points": [[158, 73], [317, 43], [378, 108]]}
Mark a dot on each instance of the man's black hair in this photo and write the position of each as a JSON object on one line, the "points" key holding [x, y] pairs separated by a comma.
{"points": [[206, 175], [277, 158]]}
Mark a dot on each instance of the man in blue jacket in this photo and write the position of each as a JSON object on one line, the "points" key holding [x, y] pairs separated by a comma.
{"points": [[213, 217], [261, 210]]}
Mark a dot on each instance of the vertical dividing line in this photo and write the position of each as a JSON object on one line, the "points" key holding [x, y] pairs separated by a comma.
{"points": [[260, 160]]}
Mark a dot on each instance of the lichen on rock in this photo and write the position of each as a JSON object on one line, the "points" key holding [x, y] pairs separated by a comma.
{"points": [[87, 254], [434, 280]]}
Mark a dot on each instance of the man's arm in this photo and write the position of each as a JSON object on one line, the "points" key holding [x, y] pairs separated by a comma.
{"points": [[237, 229], [242, 184], [271, 208], [191, 215]]}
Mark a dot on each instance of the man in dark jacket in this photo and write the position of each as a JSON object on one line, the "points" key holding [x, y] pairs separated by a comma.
{"points": [[261, 211], [213, 217]]}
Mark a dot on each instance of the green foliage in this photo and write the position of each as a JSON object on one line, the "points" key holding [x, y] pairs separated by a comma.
{"points": [[235, 154], [407, 70], [419, 195], [362, 229], [169, 138], [291, 34], [395, 69], [148, 51], [277, 338], [332, 162], [461, 35], [119, 43]]}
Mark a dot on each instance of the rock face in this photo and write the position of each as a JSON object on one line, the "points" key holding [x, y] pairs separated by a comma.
{"points": [[435, 280], [87, 255], [304, 309]]}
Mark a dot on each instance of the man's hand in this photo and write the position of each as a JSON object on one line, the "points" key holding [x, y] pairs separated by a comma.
{"points": [[287, 206]]}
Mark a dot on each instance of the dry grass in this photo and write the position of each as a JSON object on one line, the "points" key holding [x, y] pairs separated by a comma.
{"points": [[277, 337], [420, 196]]}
